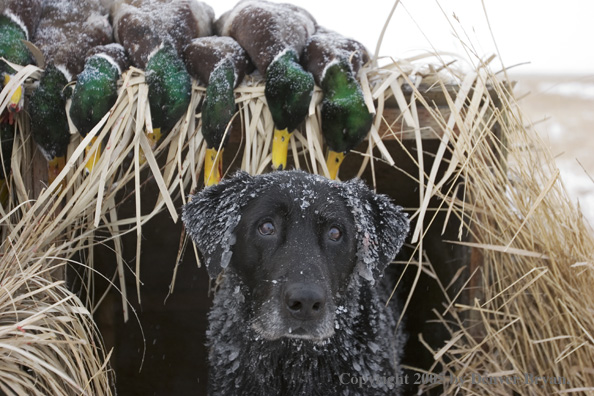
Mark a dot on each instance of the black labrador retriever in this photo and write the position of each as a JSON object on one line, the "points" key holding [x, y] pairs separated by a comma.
{"points": [[300, 308]]}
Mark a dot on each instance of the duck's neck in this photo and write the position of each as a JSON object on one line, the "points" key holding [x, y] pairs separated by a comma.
{"points": [[54, 81], [103, 69], [52, 86], [283, 61], [338, 81], [12, 46]]}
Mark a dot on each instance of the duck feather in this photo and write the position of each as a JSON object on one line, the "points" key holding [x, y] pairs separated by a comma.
{"points": [[68, 30], [267, 29]]}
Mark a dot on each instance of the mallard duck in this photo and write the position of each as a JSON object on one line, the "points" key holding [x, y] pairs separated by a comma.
{"points": [[274, 35], [154, 33], [220, 63], [96, 90], [18, 22], [334, 61], [67, 31]]}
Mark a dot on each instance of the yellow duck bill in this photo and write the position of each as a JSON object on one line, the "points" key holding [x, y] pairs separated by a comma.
{"points": [[16, 99], [153, 137], [94, 157], [333, 163], [280, 147], [213, 166], [54, 167]]}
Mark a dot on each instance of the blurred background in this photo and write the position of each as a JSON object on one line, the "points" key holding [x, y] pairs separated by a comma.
{"points": [[543, 44]]}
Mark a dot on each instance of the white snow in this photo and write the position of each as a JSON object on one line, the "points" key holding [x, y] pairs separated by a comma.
{"points": [[580, 187], [573, 89]]}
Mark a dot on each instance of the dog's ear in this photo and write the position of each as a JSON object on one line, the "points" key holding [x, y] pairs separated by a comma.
{"points": [[211, 217], [381, 228]]}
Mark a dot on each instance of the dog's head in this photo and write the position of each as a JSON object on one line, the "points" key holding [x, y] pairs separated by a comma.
{"points": [[295, 241]]}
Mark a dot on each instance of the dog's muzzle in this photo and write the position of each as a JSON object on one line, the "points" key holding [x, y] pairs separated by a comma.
{"points": [[304, 308], [304, 301], [298, 310]]}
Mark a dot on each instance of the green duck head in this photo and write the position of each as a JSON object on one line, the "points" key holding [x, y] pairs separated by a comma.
{"points": [[49, 125], [13, 48], [288, 91], [217, 111], [170, 89], [95, 93], [346, 119]]}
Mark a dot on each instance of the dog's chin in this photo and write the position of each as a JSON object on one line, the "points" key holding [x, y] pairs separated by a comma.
{"points": [[317, 334], [302, 334], [299, 334]]}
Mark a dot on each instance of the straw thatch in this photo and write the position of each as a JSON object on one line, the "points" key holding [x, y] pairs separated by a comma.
{"points": [[531, 311], [49, 344], [533, 301]]}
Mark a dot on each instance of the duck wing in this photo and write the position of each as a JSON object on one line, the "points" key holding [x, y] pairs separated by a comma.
{"points": [[203, 54], [326, 47], [68, 29], [267, 29], [141, 26]]}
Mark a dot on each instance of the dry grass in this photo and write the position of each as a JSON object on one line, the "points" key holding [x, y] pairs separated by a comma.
{"points": [[535, 314], [48, 340], [49, 344], [532, 309]]}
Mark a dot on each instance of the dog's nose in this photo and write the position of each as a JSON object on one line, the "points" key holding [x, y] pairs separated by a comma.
{"points": [[305, 301]]}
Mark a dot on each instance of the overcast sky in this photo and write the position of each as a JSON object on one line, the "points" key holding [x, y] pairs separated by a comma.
{"points": [[554, 36]]}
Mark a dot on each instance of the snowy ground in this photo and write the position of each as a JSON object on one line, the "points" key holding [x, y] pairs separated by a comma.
{"points": [[562, 108]]}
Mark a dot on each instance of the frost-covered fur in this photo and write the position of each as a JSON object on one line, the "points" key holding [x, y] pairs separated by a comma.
{"points": [[257, 347]]}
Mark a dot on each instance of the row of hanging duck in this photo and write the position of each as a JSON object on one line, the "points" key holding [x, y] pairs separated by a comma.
{"points": [[172, 41]]}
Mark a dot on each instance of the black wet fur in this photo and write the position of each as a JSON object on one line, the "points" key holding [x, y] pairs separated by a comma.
{"points": [[291, 236]]}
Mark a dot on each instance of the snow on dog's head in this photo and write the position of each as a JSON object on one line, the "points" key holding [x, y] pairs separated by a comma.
{"points": [[213, 214], [294, 240], [300, 301]]}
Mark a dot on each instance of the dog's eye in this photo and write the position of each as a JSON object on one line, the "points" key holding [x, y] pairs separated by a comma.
{"points": [[334, 234], [266, 228]]}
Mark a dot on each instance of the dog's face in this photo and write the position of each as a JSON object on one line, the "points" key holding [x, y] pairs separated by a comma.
{"points": [[295, 241], [295, 251]]}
